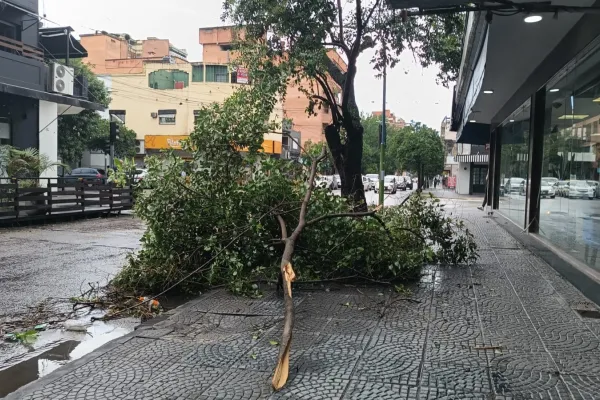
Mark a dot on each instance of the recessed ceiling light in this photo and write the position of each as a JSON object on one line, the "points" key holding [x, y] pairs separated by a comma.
{"points": [[554, 90], [512, 120], [488, 91], [472, 121], [573, 116], [597, 100], [531, 19]]}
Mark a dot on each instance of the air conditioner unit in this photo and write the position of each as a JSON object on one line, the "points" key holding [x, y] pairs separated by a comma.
{"points": [[62, 79], [139, 147]]}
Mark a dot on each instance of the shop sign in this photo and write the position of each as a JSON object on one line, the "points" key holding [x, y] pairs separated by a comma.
{"points": [[451, 182], [242, 75], [160, 142]]}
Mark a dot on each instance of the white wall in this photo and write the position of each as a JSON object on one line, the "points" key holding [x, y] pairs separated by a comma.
{"points": [[463, 179], [48, 136]]}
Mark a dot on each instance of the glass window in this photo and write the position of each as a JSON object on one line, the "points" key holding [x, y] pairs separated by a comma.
{"points": [[198, 73], [217, 73], [168, 119], [514, 166], [4, 132], [569, 217]]}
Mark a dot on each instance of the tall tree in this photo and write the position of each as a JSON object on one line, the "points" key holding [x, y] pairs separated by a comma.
{"points": [[124, 146], [308, 37], [76, 131], [421, 151], [371, 147]]}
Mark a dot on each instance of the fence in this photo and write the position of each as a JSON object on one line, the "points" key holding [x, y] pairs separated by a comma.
{"points": [[26, 199]]}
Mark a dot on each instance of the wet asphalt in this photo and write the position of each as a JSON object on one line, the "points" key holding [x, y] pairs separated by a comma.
{"points": [[58, 260]]}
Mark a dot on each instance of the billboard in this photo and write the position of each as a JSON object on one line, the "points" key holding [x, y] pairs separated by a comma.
{"points": [[159, 142]]}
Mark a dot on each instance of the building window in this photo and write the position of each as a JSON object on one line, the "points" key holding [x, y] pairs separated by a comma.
{"points": [[196, 116], [167, 117], [119, 114], [165, 79], [217, 73], [198, 73], [4, 132]]}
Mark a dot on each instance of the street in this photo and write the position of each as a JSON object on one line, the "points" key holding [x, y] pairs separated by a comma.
{"points": [[58, 260]]}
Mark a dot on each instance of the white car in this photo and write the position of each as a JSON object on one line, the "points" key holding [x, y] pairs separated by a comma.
{"points": [[581, 189], [513, 185], [548, 187], [140, 175], [368, 183], [389, 184]]}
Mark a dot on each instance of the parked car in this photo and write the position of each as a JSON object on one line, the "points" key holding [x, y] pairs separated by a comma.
{"points": [[562, 188], [513, 185], [401, 183], [409, 182], [389, 184], [548, 187], [336, 182], [368, 183], [580, 189], [140, 175], [85, 175], [596, 187]]}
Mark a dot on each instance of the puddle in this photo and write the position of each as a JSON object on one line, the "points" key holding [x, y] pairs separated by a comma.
{"points": [[55, 348]]}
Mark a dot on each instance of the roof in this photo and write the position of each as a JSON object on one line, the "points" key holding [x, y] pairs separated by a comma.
{"points": [[54, 42]]}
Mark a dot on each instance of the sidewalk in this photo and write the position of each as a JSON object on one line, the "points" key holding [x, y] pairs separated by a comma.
{"points": [[505, 328], [451, 194]]}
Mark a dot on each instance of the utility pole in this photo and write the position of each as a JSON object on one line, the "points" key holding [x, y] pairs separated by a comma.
{"points": [[383, 132], [114, 136]]}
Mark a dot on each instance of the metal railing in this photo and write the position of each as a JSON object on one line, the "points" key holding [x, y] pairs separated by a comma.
{"points": [[17, 47], [39, 198]]}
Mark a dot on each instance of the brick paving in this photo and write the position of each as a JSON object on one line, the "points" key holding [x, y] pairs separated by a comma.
{"points": [[504, 328]]}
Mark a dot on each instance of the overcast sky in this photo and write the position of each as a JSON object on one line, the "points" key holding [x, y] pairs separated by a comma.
{"points": [[412, 91]]}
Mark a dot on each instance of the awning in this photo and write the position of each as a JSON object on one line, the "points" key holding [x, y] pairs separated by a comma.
{"points": [[54, 43], [472, 158], [474, 133]]}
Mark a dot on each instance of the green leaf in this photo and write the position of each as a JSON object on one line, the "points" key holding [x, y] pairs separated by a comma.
{"points": [[274, 342]]}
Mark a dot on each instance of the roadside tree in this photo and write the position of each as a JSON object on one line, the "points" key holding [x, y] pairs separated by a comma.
{"points": [[421, 151], [307, 39]]}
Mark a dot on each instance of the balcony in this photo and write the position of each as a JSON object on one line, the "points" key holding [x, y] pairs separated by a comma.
{"points": [[22, 65]]}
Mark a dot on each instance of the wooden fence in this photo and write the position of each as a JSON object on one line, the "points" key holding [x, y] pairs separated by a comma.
{"points": [[20, 202]]}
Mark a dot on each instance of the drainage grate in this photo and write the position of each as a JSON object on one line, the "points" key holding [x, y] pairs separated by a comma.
{"points": [[595, 314]]}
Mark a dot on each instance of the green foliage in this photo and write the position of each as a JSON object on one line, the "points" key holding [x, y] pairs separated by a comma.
{"points": [[123, 174], [312, 151], [76, 131], [370, 160], [421, 146], [26, 163], [124, 146]]}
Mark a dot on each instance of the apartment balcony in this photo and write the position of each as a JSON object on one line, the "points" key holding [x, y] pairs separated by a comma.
{"points": [[22, 65]]}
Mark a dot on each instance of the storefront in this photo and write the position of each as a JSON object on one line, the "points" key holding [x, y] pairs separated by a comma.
{"points": [[538, 100]]}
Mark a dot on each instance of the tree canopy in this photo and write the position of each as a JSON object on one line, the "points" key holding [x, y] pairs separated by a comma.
{"points": [[76, 131], [311, 39], [421, 146], [370, 160]]}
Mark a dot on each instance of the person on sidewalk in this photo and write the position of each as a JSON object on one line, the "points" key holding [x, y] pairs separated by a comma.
{"points": [[485, 196]]}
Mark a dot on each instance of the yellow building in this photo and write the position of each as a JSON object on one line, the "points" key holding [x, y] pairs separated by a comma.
{"points": [[157, 93]]}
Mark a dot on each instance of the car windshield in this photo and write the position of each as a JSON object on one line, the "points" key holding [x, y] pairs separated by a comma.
{"points": [[548, 182], [582, 184], [388, 179], [139, 171]]}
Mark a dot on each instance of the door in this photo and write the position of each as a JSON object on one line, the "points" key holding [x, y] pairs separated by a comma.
{"points": [[478, 180]]}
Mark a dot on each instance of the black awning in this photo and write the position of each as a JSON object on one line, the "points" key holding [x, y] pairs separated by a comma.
{"points": [[474, 133], [54, 42]]}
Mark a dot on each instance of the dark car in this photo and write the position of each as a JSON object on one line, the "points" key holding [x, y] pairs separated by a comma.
{"points": [[85, 175], [409, 182]]}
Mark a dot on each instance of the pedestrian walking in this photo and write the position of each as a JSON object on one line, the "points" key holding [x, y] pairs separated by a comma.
{"points": [[485, 196]]}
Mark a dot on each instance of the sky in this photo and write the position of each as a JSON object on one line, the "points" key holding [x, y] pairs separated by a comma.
{"points": [[412, 93]]}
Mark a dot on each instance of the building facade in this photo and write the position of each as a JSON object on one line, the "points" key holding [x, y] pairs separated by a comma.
{"points": [[451, 165], [391, 118], [35, 88], [157, 92], [529, 90]]}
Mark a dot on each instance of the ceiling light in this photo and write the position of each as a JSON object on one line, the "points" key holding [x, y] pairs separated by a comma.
{"points": [[512, 120], [574, 116], [488, 91], [596, 100], [472, 121], [531, 19], [554, 90]]}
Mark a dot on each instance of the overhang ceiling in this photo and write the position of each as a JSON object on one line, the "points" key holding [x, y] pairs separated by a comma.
{"points": [[515, 49]]}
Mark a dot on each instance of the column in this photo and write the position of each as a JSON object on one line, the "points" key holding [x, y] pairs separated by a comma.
{"points": [[536, 155], [48, 137], [497, 163], [490, 173]]}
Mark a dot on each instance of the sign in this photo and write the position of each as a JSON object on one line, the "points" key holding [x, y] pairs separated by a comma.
{"points": [[242, 75], [451, 182], [161, 142], [487, 146]]}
